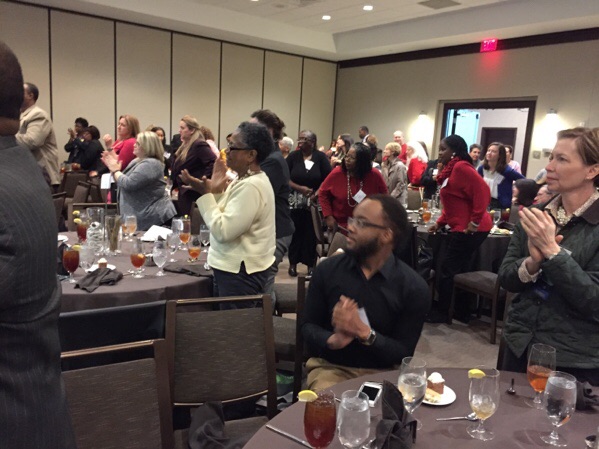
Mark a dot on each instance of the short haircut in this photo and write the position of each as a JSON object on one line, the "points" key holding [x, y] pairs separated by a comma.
{"points": [[132, 124], [395, 216], [458, 145], [364, 128], [475, 146], [94, 132], [151, 145], [363, 161], [257, 137], [81, 121], [311, 136], [527, 190], [271, 121], [11, 84], [32, 89], [394, 147], [287, 142]]}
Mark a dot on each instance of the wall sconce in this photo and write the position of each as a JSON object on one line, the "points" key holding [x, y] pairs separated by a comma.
{"points": [[551, 112], [422, 115]]}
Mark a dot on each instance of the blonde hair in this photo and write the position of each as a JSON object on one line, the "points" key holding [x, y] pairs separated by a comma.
{"points": [[132, 124], [394, 147], [151, 145], [191, 123]]}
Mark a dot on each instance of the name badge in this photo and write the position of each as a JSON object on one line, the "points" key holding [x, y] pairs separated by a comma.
{"points": [[308, 164], [359, 197], [363, 317], [444, 183]]}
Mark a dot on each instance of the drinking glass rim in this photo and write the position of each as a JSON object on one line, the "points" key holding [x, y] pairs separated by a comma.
{"points": [[488, 370], [563, 374], [413, 362], [542, 347]]}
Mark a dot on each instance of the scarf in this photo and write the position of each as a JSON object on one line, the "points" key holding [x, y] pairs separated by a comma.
{"points": [[446, 172]]}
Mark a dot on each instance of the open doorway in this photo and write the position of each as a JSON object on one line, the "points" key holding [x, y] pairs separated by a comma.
{"points": [[484, 121]]}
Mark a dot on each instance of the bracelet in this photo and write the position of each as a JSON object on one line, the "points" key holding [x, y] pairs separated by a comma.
{"points": [[476, 225]]}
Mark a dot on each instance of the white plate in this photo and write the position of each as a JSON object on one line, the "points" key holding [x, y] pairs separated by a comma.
{"points": [[447, 397], [62, 238], [94, 267]]}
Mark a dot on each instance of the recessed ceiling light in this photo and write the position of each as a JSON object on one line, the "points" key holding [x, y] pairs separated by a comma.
{"points": [[254, 0], [368, 8], [325, 17]]}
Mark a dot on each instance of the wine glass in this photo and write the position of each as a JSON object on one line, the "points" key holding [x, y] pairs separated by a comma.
{"points": [[354, 419], [194, 247], [70, 262], [541, 362], [484, 400], [177, 227], [130, 226], [185, 231], [320, 419], [559, 400], [159, 255], [205, 238], [496, 217], [412, 383], [173, 243], [87, 257], [138, 257]]}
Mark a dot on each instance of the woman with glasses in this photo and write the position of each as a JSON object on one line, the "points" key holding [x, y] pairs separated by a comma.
{"points": [[195, 156], [465, 198], [240, 214], [308, 167], [347, 185], [141, 186]]}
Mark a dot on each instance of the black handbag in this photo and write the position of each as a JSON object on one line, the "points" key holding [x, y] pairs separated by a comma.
{"points": [[424, 262]]}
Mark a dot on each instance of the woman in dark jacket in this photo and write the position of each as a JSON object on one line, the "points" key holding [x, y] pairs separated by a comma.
{"points": [[195, 156], [552, 264]]}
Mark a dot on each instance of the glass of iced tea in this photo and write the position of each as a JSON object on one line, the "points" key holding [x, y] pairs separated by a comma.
{"points": [[426, 215], [505, 215], [194, 248], [138, 257], [129, 226], [70, 262], [541, 362], [185, 232], [82, 222], [320, 420]]}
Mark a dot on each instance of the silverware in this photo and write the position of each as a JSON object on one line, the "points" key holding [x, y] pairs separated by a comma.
{"points": [[470, 417], [288, 435], [511, 390]]}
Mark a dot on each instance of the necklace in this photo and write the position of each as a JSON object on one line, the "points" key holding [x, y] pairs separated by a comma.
{"points": [[349, 195], [562, 217], [249, 173]]}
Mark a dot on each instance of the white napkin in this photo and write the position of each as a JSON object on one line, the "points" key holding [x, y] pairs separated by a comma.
{"points": [[154, 232]]}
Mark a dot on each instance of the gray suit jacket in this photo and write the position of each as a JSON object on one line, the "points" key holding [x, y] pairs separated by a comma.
{"points": [[33, 410]]}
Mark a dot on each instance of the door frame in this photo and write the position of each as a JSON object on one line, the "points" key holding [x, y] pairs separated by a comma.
{"points": [[498, 104]]}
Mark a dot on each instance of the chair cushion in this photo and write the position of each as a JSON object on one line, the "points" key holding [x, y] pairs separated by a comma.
{"points": [[284, 330], [480, 282]]}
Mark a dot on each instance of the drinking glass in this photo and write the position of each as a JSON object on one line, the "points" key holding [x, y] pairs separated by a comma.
{"points": [[177, 227], [505, 215], [541, 362], [112, 226], [496, 217], [130, 226], [173, 243], [426, 215], [559, 400], [412, 383], [354, 419], [194, 247], [205, 238], [484, 400], [95, 230], [82, 225], [86, 257], [138, 257], [159, 255], [185, 232], [70, 262], [320, 419]]}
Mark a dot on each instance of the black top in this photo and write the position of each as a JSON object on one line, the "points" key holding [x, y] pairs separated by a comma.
{"points": [[430, 185], [277, 171], [310, 178], [396, 300], [85, 153]]}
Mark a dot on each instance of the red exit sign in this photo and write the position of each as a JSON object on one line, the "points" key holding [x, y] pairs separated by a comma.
{"points": [[488, 45]]}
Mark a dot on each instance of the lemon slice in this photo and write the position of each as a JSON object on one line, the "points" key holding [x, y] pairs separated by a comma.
{"points": [[475, 374], [76, 213], [491, 211], [77, 220], [76, 247], [306, 396]]}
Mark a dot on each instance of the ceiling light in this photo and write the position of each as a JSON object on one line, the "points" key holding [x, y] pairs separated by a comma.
{"points": [[254, 0], [368, 8], [325, 17]]}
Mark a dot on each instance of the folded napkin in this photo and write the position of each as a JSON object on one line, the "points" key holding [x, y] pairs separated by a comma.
{"points": [[101, 276], [193, 269], [585, 399], [207, 429], [397, 429]]}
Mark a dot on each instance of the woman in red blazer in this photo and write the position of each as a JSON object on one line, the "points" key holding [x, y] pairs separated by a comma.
{"points": [[416, 162], [465, 199]]}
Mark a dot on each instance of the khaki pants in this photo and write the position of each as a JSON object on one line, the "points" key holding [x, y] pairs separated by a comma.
{"points": [[322, 374]]}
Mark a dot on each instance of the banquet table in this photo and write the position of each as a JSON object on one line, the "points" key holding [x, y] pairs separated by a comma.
{"points": [[515, 424], [129, 290]]}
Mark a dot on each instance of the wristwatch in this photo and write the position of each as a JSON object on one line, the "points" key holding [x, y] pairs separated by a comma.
{"points": [[368, 341]]}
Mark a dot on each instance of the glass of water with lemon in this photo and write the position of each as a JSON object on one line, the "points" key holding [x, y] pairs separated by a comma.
{"points": [[484, 399]]}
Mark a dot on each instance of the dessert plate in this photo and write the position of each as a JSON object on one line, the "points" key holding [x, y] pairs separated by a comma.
{"points": [[62, 238], [447, 397], [94, 267]]}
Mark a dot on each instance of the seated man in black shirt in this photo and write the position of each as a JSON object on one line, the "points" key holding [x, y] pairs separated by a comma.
{"points": [[365, 309]]}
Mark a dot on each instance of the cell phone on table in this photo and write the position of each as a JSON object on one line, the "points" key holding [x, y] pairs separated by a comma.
{"points": [[373, 390]]}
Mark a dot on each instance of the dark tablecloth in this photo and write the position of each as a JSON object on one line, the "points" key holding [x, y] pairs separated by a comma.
{"points": [[516, 425]]}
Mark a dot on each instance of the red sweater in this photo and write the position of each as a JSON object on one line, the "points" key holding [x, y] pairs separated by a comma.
{"points": [[124, 149], [415, 171], [465, 199], [333, 193]]}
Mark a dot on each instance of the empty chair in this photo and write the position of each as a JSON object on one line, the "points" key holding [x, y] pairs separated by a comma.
{"points": [[80, 196], [221, 355], [338, 242], [70, 181], [485, 284], [121, 405], [58, 199], [321, 235]]}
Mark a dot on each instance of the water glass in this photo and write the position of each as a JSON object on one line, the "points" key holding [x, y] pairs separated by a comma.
{"points": [[412, 383], [484, 400], [541, 362], [112, 227], [129, 226], [159, 255], [86, 257], [354, 419], [173, 242], [320, 419], [559, 401]]}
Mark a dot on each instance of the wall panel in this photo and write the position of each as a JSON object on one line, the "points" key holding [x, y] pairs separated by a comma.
{"points": [[282, 89], [318, 99], [82, 73], [196, 81], [143, 75]]}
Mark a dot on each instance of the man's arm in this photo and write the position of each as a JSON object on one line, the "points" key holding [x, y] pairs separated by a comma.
{"points": [[39, 127], [316, 320]]}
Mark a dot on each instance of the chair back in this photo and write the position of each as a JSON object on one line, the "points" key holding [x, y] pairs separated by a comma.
{"points": [[58, 199], [81, 192], [95, 192], [408, 251], [196, 219], [414, 200], [318, 224], [514, 217], [339, 242], [70, 180], [300, 355], [221, 355], [121, 405]]}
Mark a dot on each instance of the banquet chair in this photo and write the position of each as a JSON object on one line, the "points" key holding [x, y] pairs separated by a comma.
{"points": [[484, 284], [58, 199], [80, 196], [109, 209], [509, 297], [95, 192], [409, 254], [221, 355], [338, 242], [414, 199], [121, 405], [289, 342], [196, 219], [322, 237], [70, 181]]}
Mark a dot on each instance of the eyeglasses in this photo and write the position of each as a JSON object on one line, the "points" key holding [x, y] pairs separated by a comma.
{"points": [[361, 223], [231, 148]]}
